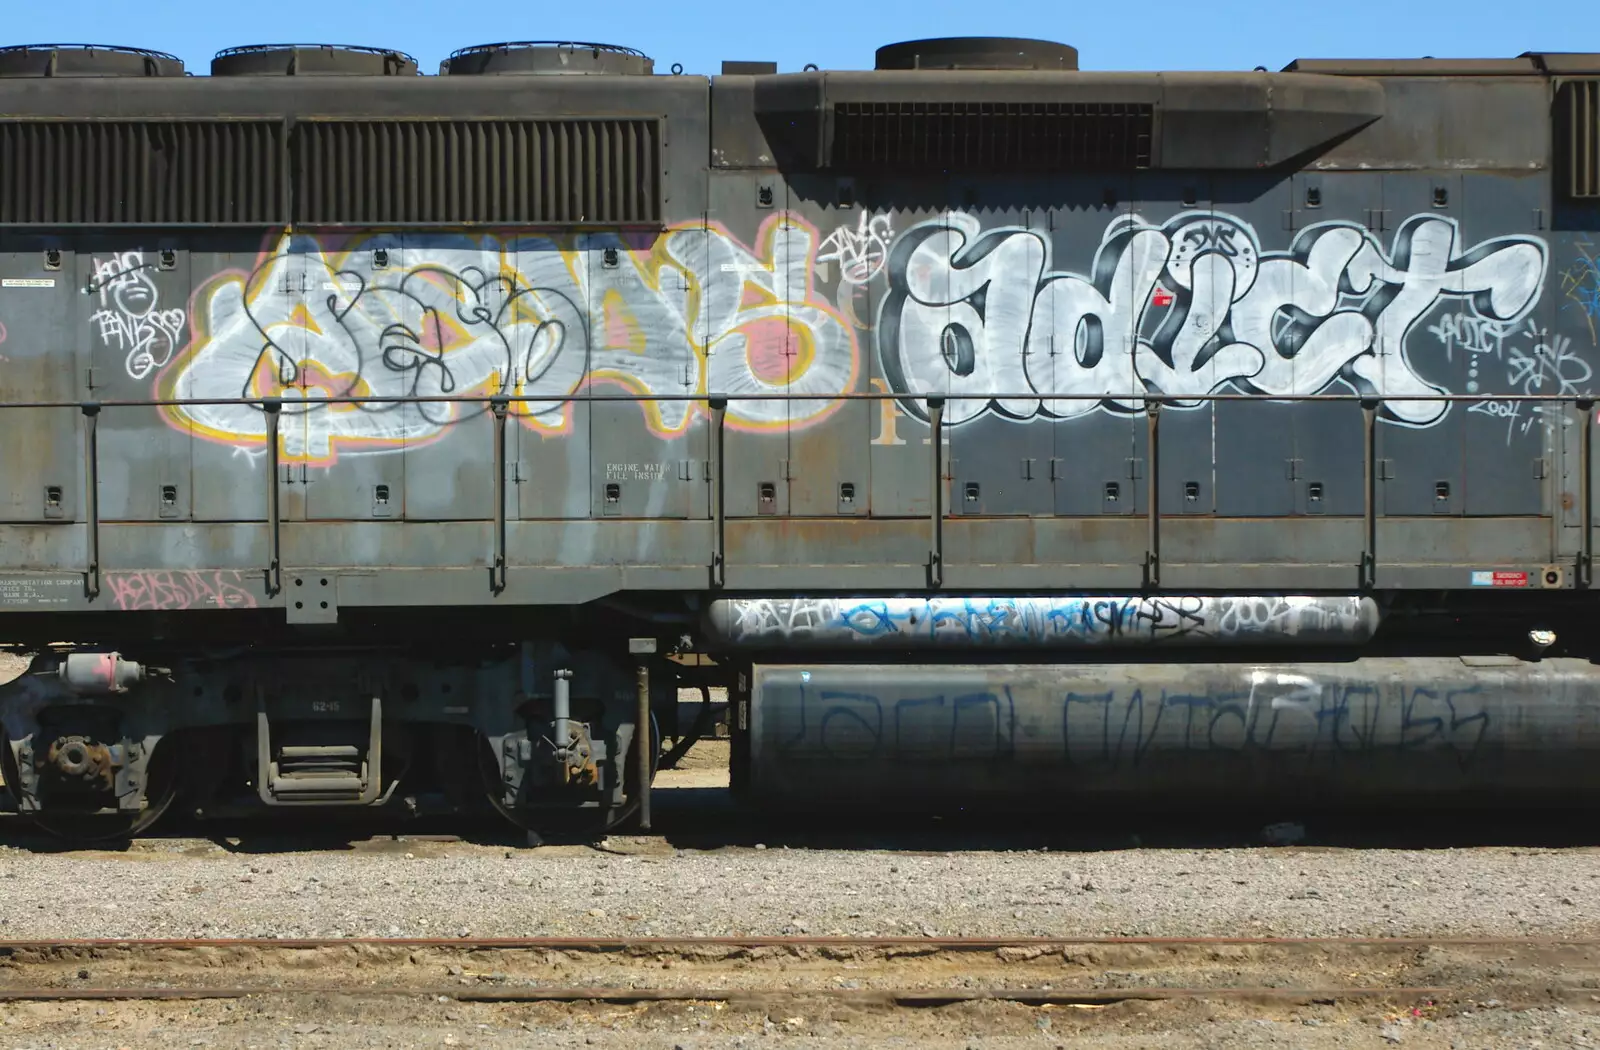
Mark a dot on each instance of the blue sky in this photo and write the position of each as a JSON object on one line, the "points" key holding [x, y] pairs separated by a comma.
{"points": [[1127, 34]]}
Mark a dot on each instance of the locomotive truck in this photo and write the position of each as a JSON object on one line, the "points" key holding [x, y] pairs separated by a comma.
{"points": [[997, 433]]}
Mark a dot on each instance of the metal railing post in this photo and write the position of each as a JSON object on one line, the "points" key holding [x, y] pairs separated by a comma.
{"points": [[273, 407], [1152, 557], [719, 419], [1585, 572], [91, 469], [1368, 570], [936, 497], [499, 406]]}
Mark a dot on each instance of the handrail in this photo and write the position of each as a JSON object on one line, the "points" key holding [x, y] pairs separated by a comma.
{"points": [[1141, 398], [717, 403]]}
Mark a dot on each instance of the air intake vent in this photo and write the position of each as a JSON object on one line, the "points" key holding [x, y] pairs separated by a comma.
{"points": [[547, 56], [310, 60], [541, 172], [141, 173], [991, 136], [86, 60], [1577, 138]]}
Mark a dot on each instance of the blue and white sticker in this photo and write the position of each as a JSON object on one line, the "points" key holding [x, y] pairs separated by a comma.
{"points": [[1497, 578]]}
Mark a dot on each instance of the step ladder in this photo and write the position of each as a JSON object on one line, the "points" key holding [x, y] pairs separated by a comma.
{"points": [[320, 774]]}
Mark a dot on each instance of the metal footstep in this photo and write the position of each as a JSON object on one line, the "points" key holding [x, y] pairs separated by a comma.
{"points": [[320, 774]]}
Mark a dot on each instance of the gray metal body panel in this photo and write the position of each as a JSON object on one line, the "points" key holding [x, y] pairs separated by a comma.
{"points": [[1043, 307], [1372, 730]]}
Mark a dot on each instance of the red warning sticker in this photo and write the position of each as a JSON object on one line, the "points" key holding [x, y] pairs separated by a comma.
{"points": [[1161, 298], [1484, 578]]}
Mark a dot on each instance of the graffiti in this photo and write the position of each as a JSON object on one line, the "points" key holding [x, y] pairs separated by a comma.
{"points": [[908, 623], [1473, 336], [1183, 309], [435, 315], [860, 252], [1511, 413], [181, 589], [1533, 360], [852, 726], [1278, 712], [1548, 366], [1269, 710], [130, 319], [1580, 283]]}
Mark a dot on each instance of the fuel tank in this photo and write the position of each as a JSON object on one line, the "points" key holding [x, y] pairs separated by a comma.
{"points": [[1474, 730]]}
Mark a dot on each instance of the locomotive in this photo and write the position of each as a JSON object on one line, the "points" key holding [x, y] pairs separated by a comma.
{"points": [[997, 433]]}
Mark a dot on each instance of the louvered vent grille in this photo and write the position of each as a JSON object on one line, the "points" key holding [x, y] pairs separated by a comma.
{"points": [[1578, 137], [483, 171], [144, 172], [992, 136]]}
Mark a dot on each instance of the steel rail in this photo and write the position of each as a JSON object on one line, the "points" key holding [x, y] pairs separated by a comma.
{"points": [[887, 997], [611, 944], [108, 950]]}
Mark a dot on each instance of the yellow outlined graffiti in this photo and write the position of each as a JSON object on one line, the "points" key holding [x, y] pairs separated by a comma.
{"points": [[690, 312]]}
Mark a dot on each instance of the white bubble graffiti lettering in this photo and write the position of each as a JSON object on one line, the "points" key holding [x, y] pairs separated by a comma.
{"points": [[1183, 309], [691, 312]]}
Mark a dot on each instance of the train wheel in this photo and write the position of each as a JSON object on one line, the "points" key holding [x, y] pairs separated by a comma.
{"points": [[563, 822], [86, 828]]}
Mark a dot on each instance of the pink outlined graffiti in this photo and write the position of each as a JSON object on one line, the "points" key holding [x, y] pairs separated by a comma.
{"points": [[144, 591], [692, 311]]}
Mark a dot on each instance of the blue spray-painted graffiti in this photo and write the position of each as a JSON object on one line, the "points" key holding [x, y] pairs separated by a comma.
{"points": [[1284, 713], [1049, 622], [1580, 283], [1277, 712]]}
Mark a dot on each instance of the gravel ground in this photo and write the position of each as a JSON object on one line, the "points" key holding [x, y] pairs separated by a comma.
{"points": [[177, 887], [180, 888]]}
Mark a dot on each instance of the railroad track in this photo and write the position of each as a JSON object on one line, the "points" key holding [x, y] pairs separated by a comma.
{"points": [[885, 971]]}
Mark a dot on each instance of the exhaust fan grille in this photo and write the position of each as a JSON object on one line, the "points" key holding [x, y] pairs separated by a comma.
{"points": [[338, 173], [1578, 137], [488, 171], [141, 173], [992, 136]]}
